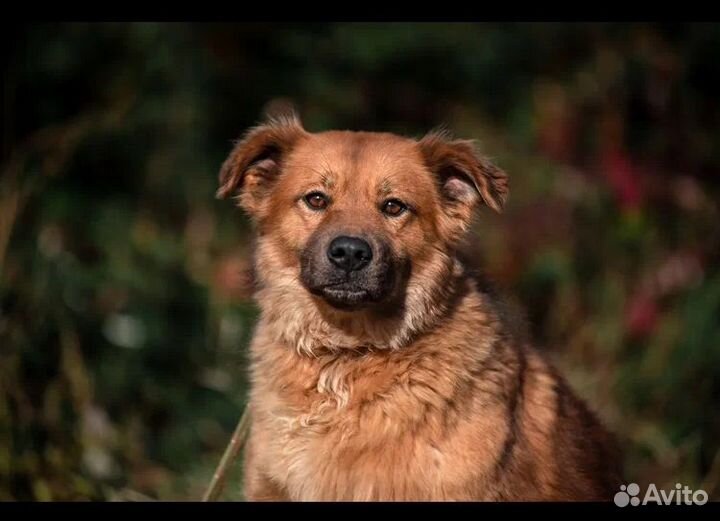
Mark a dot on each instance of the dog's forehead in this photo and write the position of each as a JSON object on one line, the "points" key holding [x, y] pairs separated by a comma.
{"points": [[348, 155]]}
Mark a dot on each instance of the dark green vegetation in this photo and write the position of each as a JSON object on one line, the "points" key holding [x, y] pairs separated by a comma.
{"points": [[124, 307]]}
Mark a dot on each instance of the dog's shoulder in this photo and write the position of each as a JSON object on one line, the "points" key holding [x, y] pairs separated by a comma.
{"points": [[510, 314]]}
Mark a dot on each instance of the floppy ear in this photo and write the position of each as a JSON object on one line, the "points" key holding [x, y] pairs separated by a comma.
{"points": [[255, 162], [465, 176]]}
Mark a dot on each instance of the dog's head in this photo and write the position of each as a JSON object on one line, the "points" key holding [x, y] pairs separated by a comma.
{"points": [[357, 216]]}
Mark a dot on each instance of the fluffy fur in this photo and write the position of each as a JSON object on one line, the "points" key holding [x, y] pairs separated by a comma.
{"points": [[429, 396]]}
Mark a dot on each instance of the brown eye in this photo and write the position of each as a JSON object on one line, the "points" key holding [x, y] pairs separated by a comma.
{"points": [[393, 207], [316, 200]]}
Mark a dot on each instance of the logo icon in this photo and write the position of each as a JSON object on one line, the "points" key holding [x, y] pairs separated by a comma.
{"points": [[628, 495]]}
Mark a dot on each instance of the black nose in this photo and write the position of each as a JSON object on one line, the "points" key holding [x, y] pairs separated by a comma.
{"points": [[350, 253]]}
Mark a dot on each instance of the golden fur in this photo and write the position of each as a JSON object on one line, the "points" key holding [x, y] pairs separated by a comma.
{"points": [[429, 397]]}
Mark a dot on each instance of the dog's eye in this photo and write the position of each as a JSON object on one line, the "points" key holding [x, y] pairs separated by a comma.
{"points": [[393, 207], [316, 200]]}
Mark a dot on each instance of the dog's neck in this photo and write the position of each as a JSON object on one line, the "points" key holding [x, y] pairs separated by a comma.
{"points": [[314, 366], [296, 319]]}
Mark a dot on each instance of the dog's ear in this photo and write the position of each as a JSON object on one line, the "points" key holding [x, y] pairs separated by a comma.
{"points": [[255, 162], [464, 175]]}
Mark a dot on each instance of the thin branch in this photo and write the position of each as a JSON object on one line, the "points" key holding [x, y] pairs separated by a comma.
{"points": [[231, 452]]}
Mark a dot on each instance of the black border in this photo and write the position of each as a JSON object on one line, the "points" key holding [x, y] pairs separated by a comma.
{"points": [[366, 11], [438, 511]]}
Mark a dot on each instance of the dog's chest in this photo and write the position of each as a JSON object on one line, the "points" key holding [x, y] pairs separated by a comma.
{"points": [[338, 443], [362, 428], [329, 455]]}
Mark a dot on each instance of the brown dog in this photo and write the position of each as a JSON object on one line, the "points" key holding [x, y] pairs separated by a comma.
{"points": [[381, 370]]}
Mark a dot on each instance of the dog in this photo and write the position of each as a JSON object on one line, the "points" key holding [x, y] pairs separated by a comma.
{"points": [[381, 368]]}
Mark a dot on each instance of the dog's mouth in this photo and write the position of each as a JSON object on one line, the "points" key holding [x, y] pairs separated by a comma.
{"points": [[346, 296]]}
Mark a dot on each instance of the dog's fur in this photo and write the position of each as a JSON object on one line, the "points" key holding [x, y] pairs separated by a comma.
{"points": [[407, 383]]}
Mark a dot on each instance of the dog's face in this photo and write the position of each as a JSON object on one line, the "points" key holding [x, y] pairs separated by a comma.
{"points": [[357, 214]]}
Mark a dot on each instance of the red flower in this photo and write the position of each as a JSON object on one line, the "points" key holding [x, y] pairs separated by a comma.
{"points": [[623, 177], [641, 315]]}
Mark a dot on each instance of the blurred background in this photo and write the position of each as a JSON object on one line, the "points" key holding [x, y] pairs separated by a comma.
{"points": [[125, 309]]}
